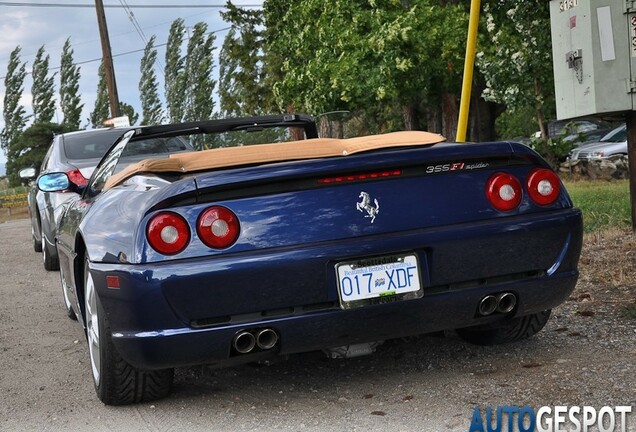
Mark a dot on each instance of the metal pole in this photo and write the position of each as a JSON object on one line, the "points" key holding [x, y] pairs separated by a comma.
{"points": [[469, 65], [631, 155], [113, 97]]}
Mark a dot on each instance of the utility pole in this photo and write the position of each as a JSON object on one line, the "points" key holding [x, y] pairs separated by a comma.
{"points": [[631, 156], [113, 97]]}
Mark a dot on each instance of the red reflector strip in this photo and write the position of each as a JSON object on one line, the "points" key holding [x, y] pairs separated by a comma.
{"points": [[360, 177], [112, 282]]}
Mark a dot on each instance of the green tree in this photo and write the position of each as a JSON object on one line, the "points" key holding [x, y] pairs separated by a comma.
{"points": [[43, 89], [174, 82], [69, 88], [14, 114], [199, 64], [516, 59], [355, 54], [150, 104], [101, 111], [243, 87], [30, 147], [128, 110]]}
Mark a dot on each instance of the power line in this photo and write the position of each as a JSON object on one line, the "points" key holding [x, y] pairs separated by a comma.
{"points": [[148, 6], [122, 54], [89, 41], [139, 30], [133, 20]]}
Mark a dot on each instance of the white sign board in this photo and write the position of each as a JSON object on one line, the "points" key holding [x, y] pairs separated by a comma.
{"points": [[122, 121]]}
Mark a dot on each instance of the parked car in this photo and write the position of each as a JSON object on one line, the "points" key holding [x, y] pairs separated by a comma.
{"points": [[246, 253], [613, 144], [76, 154], [577, 131]]}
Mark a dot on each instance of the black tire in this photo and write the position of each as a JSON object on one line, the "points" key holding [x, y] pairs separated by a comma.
{"points": [[116, 381], [51, 263], [37, 246], [506, 331], [66, 300]]}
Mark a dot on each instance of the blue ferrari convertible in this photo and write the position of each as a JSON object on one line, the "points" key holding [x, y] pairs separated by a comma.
{"points": [[271, 241]]}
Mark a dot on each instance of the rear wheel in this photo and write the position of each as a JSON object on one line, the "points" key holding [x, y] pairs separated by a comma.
{"points": [[50, 261], [508, 331], [116, 381]]}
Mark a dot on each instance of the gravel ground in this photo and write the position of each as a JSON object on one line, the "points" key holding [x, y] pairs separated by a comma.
{"points": [[584, 356]]}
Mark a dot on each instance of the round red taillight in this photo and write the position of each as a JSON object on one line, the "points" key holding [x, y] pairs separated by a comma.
{"points": [[544, 186], [504, 191], [218, 227], [168, 233]]}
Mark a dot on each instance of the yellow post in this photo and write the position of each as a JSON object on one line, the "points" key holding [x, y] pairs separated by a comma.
{"points": [[469, 65]]}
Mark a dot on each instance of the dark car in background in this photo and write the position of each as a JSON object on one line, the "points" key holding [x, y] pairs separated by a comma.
{"points": [[76, 154]]}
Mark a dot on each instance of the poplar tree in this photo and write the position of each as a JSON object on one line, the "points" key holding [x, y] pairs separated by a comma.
{"points": [[42, 89], [14, 114], [102, 110], [128, 110], [69, 88], [243, 85], [199, 64], [150, 103], [174, 83]]}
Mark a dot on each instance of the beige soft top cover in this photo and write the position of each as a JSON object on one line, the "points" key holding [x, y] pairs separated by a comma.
{"points": [[277, 152]]}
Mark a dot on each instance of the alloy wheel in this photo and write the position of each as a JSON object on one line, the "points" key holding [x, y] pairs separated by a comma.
{"points": [[92, 327]]}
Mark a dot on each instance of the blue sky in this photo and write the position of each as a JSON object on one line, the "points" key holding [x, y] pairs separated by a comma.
{"points": [[32, 27]]}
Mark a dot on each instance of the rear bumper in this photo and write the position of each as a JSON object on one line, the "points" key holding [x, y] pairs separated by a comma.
{"points": [[154, 311]]}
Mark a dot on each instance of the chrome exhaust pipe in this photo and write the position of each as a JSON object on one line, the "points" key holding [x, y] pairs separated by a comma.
{"points": [[506, 302], [266, 338], [487, 305], [244, 342]]}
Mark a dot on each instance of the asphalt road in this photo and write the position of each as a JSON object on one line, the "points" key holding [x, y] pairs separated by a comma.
{"points": [[429, 383]]}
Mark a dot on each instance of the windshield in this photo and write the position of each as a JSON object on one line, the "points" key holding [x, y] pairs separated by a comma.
{"points": [[89, 145], [128, 151], [617, 135], [146, 148], [151, 146], [161, 141], [240, 138]]}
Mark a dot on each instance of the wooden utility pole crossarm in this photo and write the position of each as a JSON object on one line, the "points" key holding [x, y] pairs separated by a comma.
{"points": [[113, 96]]}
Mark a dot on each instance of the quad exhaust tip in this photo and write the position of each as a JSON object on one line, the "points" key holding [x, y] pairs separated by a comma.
{"points": [[246, 341], [266, 338], [502, 303], [506, 302], [488, 305]]}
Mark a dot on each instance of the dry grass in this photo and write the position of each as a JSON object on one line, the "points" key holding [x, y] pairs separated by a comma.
{"points": [[608, 270]]}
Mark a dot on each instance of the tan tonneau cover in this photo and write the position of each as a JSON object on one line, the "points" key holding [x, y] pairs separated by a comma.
{"points": [[277, 152]]}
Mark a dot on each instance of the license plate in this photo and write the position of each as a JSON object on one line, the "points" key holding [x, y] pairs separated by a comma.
{"points": [[378, 280]]}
